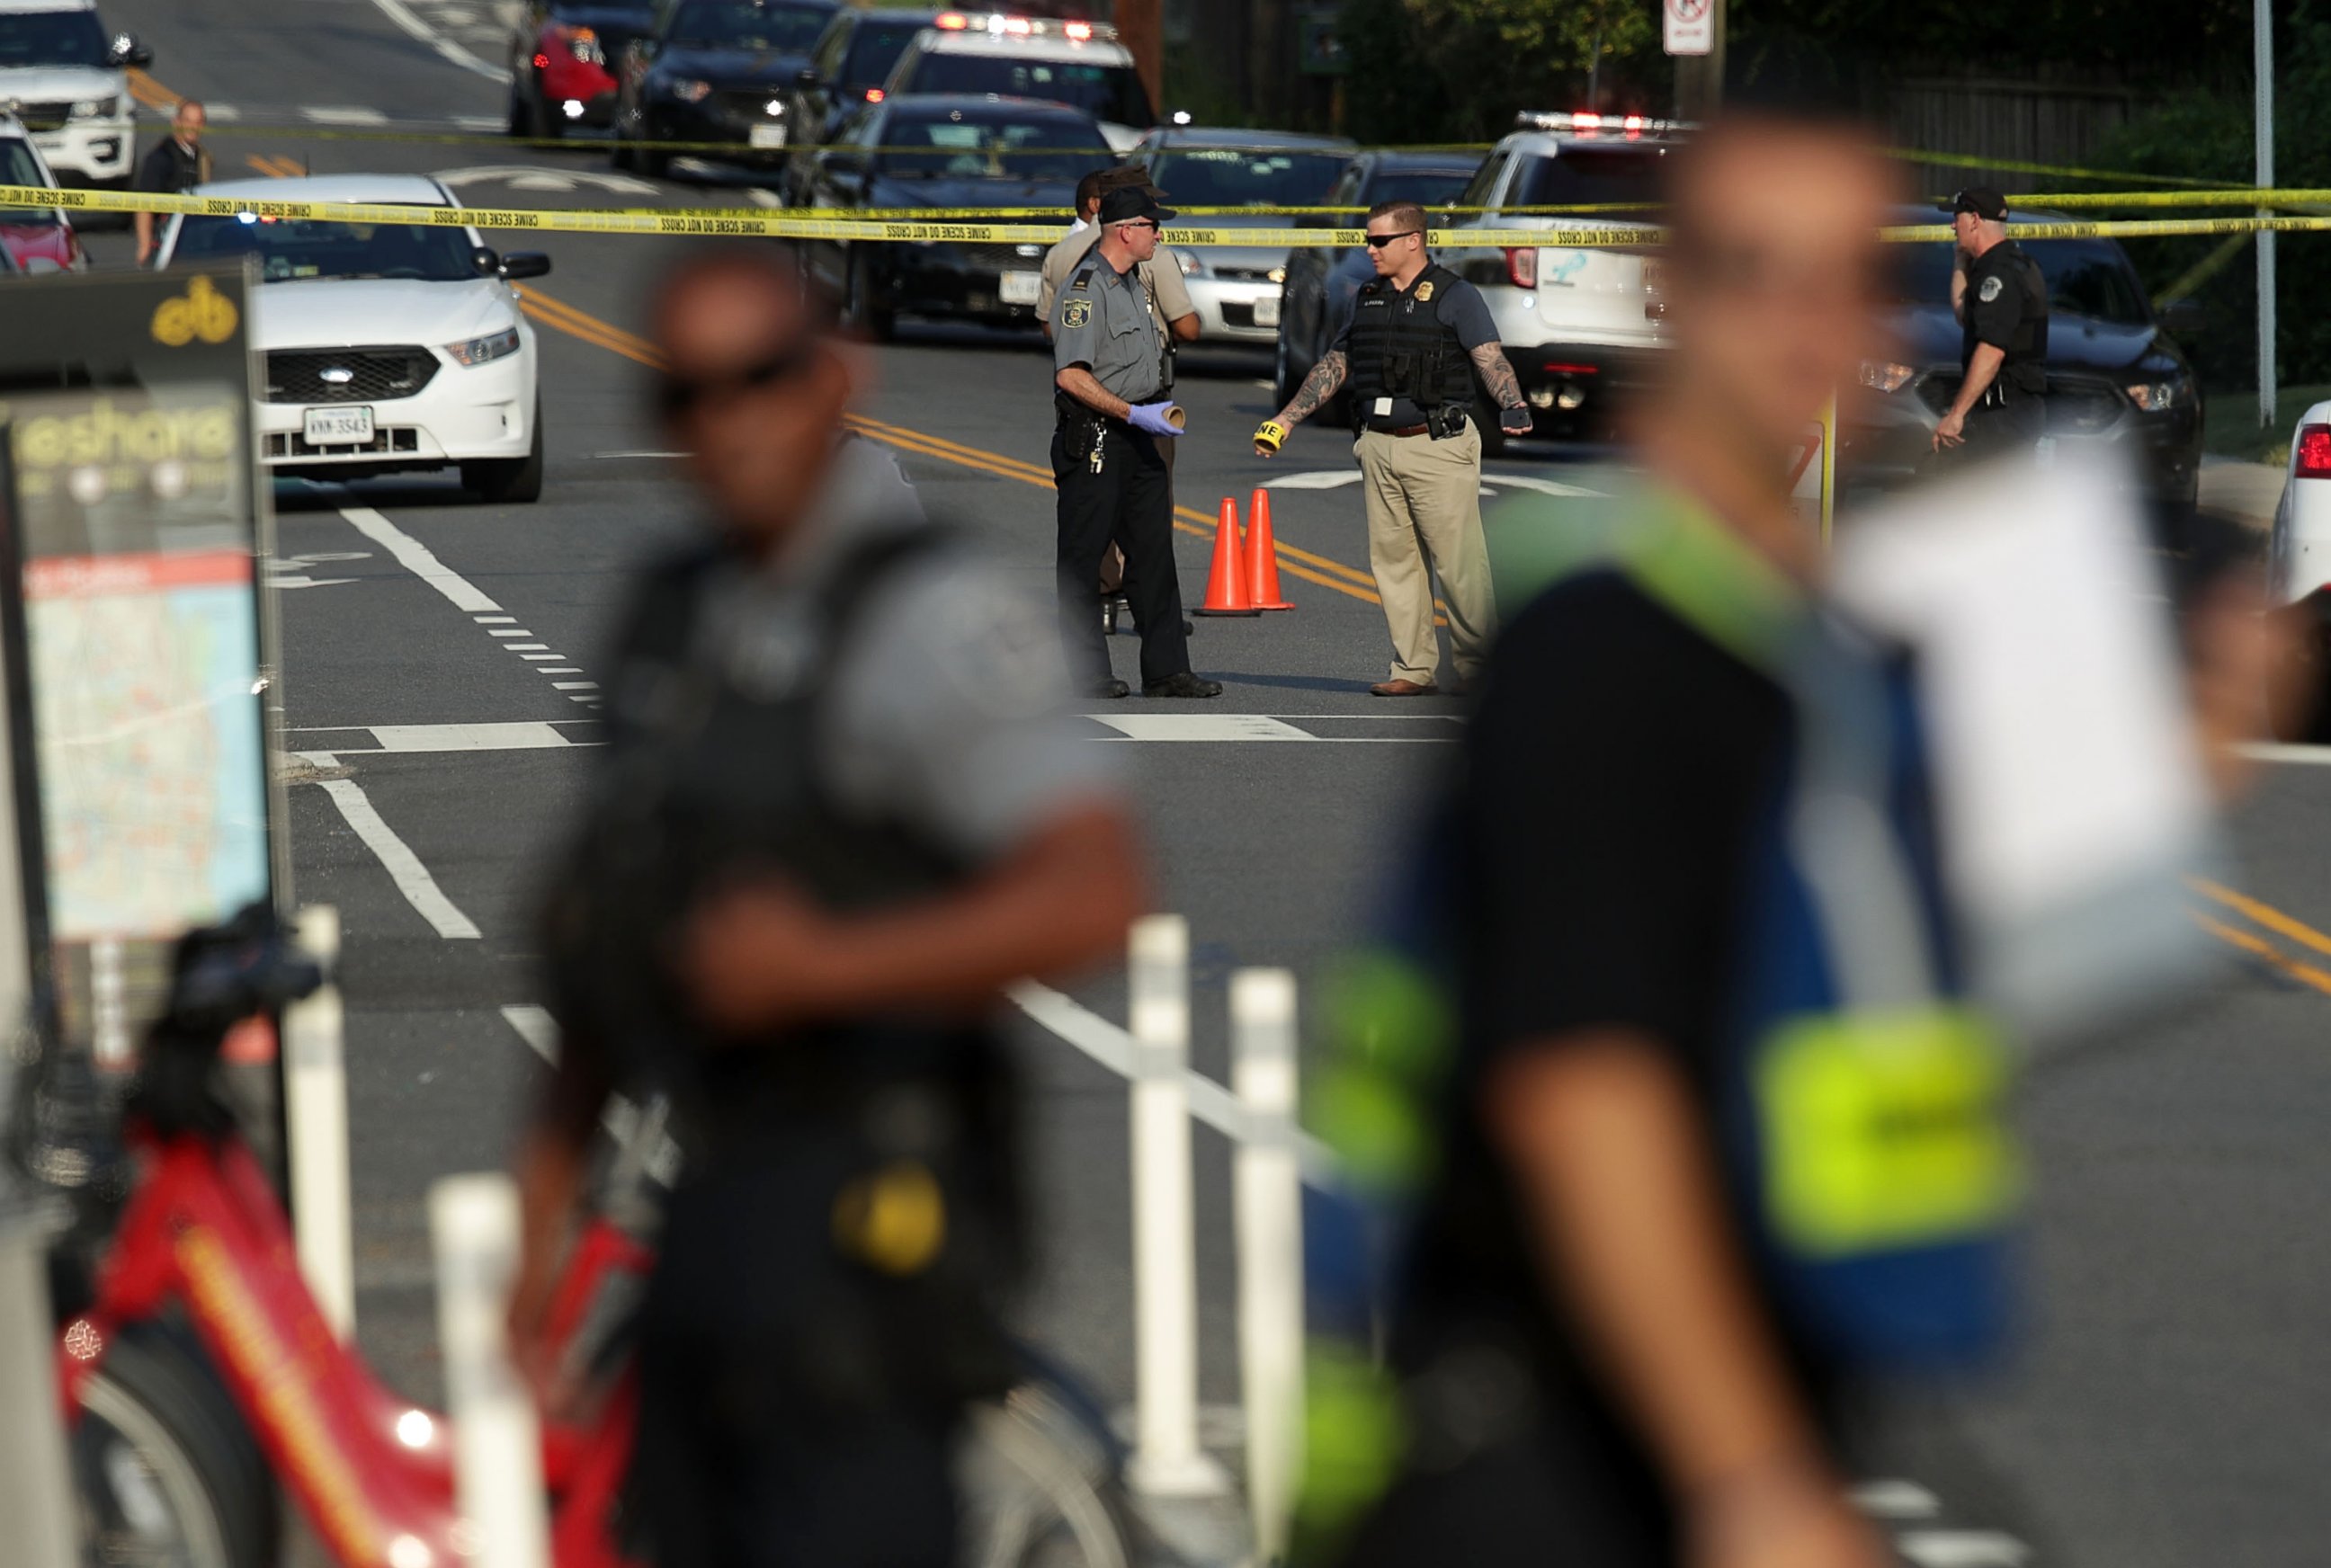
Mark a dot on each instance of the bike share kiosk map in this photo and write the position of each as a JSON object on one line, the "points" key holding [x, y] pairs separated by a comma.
{"points": [[137, 524]]}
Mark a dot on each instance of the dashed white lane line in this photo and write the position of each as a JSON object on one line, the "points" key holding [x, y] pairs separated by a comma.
{"points": [[344, 115], [1892, 1499], [464, 595], [1961, 1549], [412, 27], [396, 856]]}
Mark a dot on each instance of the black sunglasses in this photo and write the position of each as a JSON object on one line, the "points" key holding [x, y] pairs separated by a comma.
{"points": [[677, 395], [1378, 242]]}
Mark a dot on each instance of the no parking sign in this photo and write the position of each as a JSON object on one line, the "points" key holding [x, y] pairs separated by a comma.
{"points": [[1688, 26]]}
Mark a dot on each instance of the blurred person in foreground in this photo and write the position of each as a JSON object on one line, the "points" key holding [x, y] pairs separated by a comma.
{"points": [[836, 813], [1711, 1135]]}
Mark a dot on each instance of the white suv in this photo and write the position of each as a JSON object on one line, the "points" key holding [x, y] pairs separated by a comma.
{"points": [[64, 76], [1581, 325], [1078, 63]]}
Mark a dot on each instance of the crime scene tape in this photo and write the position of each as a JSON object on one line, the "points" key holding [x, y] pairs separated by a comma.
{"points": [[748, 222]]}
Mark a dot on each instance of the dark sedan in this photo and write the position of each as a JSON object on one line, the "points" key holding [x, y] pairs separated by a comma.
{"points": [[845, 73], [716, 70], [2115, 375], [1320, 282], [944, 150]]}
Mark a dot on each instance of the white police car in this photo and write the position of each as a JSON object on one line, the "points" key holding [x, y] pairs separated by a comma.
{"points": [[66, 78], [387, 347]]}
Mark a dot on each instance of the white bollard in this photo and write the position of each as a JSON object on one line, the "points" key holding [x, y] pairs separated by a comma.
{"points": [[474, 1225], [315, 1130], [36, 1491], [1267, 1195], [1166, 1459]]}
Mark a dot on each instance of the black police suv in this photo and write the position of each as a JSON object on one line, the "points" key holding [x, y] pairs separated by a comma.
{"points": [[1320, 282], [563, 57], [2116, 377], [716, 70], [946, 150], [845, 73]]}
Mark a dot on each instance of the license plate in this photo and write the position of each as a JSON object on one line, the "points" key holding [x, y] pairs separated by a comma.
{"points": [[1020, 288], [1266, 311], [767, 136], [338, 426]]}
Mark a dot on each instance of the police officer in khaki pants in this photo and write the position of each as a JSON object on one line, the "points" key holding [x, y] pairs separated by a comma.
{"points": [[1416, 338]]}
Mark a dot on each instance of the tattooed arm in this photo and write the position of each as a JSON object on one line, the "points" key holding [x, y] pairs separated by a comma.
{"points": [[1504, 390], [1317, 388]]}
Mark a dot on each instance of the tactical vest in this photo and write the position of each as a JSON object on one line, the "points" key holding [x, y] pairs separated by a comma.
{"points": [[1400, 347], [887, 1142], [2024, 370], [1859, 1118]]}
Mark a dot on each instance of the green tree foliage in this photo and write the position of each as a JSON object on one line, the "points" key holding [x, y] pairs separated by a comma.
{"points": [[2207, 135], [1458, 70]]}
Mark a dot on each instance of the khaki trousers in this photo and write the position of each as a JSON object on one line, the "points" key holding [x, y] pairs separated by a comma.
{"points": [[1424, 518]]}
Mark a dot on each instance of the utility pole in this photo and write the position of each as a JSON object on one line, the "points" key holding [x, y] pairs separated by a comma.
{"points": [[1699, 78], [1140, 29], [2262, 25]]}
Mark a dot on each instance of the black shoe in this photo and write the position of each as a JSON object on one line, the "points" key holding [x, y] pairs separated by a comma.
{"points": [[1183, 685], [1110, 689]]}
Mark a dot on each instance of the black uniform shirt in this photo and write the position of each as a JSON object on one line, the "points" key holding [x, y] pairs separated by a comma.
{"points": [[2006, 305], [171, 166]]}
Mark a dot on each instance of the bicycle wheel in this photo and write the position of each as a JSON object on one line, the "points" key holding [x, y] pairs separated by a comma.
{"points": [[1040, 1489], [167, 1473]]}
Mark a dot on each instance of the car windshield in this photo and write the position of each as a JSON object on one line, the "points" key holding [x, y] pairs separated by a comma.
{"points": [[1592, 177], [745, 24], [293, 250], [17, 168], [1425, 189], [2089, 278], [964, 149], [50, 38], [1110, 92], [1225, 176], [874, 48]]}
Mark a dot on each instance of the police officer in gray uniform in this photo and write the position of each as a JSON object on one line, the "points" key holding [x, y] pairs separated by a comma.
{"points": [[2002, 302], [1109, 380]]}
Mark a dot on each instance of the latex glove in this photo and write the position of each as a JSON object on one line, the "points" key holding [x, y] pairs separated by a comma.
{"points": [[1514, 421], [1269, 437], [1151, 417]]}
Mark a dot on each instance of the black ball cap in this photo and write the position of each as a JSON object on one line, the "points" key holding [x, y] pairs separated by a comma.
{"points": [[1984, 202], [1124, 205]]}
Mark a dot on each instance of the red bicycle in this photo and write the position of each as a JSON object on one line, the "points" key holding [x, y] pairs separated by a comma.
{"points": [[199, 1369]]}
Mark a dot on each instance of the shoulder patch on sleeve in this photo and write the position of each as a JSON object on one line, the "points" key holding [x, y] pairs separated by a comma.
{"points": [[1076, 312], [1990, 288]]}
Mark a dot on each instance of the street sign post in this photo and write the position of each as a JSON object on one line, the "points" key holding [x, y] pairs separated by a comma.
{"points": [[1688, 26]]}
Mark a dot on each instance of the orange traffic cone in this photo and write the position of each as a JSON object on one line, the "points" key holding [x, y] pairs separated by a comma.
{"points": [[1262, 556], [1226, 586]]}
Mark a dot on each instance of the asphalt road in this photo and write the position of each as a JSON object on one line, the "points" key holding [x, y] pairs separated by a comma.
{"points": [[2168, 1408]]}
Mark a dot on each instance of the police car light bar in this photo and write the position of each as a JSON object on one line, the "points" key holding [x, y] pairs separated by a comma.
{"points": [[1003, 24], [1596, 124]]}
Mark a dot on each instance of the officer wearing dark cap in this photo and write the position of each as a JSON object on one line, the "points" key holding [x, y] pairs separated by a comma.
{"points": [[1109, 379], [2002, 303]]}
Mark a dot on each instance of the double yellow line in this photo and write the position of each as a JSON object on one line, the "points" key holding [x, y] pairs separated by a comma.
{"points": [[2267, 917]]}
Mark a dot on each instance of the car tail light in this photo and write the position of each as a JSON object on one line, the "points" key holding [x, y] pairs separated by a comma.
{"points": [[2311, 458], [1521, 266], [542, 62], [873, 95], [952, 21]]}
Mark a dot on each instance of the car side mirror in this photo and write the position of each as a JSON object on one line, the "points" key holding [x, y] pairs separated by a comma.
{"points": [[2181, 317], [807, 80], [125, 50], [525, 265]]}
